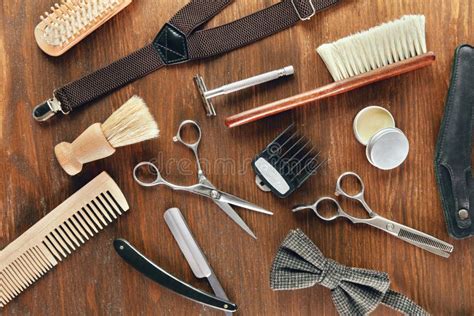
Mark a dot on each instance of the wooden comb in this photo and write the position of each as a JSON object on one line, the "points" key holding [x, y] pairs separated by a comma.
{"points": [[58, 234]]}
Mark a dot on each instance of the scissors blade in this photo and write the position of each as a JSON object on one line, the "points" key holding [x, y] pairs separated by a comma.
{"points": [[229, 210], [235, 217], [425, 241], [411, 235], [224, 197], [231, 199]]}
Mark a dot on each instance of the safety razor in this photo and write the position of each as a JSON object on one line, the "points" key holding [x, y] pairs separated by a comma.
{"points": [[207, 95]]}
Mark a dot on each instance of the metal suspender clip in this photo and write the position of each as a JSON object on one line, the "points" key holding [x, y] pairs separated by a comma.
{"points": [[48, 109], [305, 18]]}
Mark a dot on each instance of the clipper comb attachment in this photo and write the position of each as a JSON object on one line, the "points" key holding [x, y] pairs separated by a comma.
{"points": [[58, 234], [286, 163], [71, 21]]}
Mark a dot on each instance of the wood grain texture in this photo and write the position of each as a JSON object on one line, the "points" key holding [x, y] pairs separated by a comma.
{"points": [[95, 281]]}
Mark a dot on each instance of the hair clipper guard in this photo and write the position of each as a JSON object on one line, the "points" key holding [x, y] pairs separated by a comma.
{"points": [[286, 163]]}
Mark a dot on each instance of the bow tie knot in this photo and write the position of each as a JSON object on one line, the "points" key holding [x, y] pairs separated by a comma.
{"points": [[333, 274]]}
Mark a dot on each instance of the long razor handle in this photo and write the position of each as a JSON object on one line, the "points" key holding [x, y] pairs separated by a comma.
{"points": [[330, 90], [144, 265]]}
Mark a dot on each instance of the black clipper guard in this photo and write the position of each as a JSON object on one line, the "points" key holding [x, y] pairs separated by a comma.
{"points": [[286, 163], [454, 147]]}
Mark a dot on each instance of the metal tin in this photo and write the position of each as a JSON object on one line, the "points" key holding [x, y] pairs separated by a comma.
{"points": [[371, 120], [388, 149]]}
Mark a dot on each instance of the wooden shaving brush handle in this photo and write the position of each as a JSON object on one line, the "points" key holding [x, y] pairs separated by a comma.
{"points": [[91, 145]]}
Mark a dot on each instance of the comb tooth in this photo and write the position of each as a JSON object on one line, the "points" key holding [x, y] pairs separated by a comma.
{"points": [[60, 242], [28, 266], [39, 269], [91, 215], [44, 265], [106, 206], [20, 281], [20, 273], [29, 272], [69, 234], [10, 290], [3, 296], [44, 262], [86, 217], [97, 213], [26, 272], [3, 300], [32, 265], [83, 225], [117, 207], [15, 281], [46, 255], [10, 281], [7, 292], [65, 237], [53, 248], [73, 229], [99, 207]]}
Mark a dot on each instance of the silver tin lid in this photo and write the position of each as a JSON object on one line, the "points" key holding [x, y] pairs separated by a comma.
{"points": [[388, 149]]}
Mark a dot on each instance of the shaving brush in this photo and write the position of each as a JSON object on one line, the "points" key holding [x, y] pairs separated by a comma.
{"points": [[131, 123]]}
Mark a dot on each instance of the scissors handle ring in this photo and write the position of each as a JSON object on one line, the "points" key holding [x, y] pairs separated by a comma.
{"points": [[340, 190], [153, 169], [178, 138], [334, 202]]}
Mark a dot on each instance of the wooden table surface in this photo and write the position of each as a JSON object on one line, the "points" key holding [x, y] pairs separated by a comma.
{"points": [[96, 281]]}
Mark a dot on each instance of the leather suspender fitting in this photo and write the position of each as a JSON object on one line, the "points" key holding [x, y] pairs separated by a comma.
{"points": [[180, 40]]}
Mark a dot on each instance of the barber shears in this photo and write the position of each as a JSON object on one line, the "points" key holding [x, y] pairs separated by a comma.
{"points": [[204, 187], [403, 232]]}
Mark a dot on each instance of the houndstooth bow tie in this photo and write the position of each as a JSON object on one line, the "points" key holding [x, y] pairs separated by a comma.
{"points": [[300, 264]]}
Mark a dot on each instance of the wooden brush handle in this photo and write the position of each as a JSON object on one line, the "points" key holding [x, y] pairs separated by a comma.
{"points": [[91, 145], [331, 90]]}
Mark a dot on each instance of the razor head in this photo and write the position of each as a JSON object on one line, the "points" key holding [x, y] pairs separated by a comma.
{"points": [[207, 103]]}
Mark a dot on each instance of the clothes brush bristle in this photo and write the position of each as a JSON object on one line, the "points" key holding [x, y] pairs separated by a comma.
{"points": [[375, 48], [131, 123], [71, 17]]}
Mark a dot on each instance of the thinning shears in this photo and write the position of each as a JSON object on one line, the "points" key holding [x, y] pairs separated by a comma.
{"points": [[204, 187], [403, 232]]}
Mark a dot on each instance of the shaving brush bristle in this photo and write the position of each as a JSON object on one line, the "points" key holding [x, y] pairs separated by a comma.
{"points": [[130, 124]]}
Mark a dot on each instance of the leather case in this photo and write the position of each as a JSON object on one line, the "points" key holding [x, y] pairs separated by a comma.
{"points": [[454, 147]]}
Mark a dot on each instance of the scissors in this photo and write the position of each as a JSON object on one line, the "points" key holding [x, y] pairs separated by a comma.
{"points": [[403, 232], [204, 187]]}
